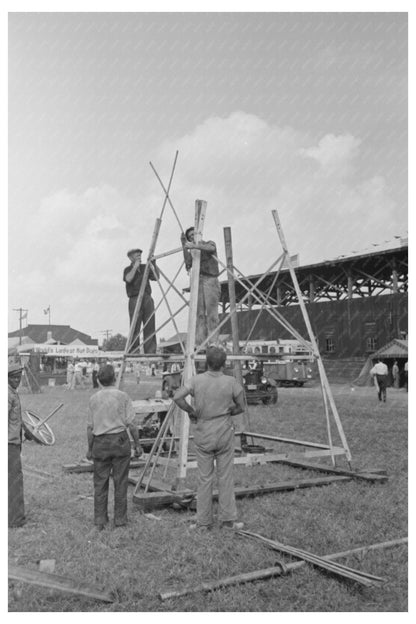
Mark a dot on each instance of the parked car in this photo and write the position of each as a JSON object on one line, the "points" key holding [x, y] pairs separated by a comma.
{"points": [[258, 386], [288, 372]]}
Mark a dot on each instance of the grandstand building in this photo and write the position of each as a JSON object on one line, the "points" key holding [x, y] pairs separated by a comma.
{"points": [[356, 304]]}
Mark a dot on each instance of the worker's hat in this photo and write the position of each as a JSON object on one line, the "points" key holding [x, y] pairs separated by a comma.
{"points": [[14, 367], [132, 251]]}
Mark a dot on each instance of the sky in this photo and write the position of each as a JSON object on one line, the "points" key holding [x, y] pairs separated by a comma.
{"points": [[303, 113]]}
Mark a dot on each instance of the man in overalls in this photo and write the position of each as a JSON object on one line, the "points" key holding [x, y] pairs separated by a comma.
{"points": [[217, 397]]}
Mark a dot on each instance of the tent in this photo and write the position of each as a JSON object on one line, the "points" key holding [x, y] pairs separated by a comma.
{"points": [[396, 349]]}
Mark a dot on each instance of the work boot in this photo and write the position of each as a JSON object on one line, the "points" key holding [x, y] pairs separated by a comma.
{"points": [[100, 527]]}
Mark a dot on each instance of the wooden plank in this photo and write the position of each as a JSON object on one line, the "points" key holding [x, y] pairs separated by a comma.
{"points": [[136, 463], [339, 471], [148, 406], [153, 500], [189, 367], [254, 459], [233, 316], [283, 486], [279, 486], [38, 471], [265, 436], [156, 485], [315, 350], [162, 496], [159, 499], [266, 573], [59, 583]]}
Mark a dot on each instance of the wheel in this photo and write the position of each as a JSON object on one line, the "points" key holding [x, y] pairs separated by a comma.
{"points": [[271, 398], [42, 435]]}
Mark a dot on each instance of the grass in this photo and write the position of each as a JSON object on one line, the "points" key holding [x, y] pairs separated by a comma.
{"points": [[149, 556]]}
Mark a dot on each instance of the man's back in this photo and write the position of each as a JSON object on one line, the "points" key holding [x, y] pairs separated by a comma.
{"points": [[110, 411], [380, 369], [213, 392]]}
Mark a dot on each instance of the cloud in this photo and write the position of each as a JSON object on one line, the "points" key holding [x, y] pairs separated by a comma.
{"points": [[244, 168], [334, 154]]}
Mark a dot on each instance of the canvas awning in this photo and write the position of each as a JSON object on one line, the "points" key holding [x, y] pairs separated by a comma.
{"points": [[394, 349]]}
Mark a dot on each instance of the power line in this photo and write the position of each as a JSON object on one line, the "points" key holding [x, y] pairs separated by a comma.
{"points": [[22, 315], [107, 333]]}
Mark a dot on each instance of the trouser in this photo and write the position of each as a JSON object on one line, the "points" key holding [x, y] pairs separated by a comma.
{"points": [[16, 498], [146, 315], [95, 379], [382, 385], [111, 454], [218, 450], [209, 292], [77, 380]]}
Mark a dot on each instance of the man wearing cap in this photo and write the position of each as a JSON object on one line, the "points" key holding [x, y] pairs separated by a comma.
{"points": [[133, 277], [209, 289], [16, 499]]}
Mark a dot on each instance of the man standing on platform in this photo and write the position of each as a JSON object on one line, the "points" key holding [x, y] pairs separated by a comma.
{"points": [[209, 290], [218, 397], [16, 498], [133, 277]]}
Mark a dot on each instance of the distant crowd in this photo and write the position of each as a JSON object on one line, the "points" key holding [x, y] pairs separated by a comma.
{"points": [[82, 374]]}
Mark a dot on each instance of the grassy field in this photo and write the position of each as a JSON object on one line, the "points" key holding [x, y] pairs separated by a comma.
{"points": [[159, 552]]}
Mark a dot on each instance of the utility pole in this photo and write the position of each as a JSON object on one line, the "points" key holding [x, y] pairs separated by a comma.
{"points": [[107, 333], [22, 315]]}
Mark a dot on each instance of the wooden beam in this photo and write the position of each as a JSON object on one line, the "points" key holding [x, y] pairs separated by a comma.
{"points": [[282, 486], [60, 583], [163, 496], [253, 459], [189, 370], [134, 463], [233, 316], [265, 436], [339, 471]]}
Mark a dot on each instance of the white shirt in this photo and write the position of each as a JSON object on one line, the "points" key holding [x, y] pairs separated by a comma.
{"points": [[379, 369]]}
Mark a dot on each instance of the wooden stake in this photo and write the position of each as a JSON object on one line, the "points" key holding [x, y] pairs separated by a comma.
{"points": [[312, 337], [233, 316], [189, 369], [60, 583]]}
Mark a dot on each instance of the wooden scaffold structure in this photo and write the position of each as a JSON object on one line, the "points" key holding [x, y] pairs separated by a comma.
{"points": [[164, 477]]}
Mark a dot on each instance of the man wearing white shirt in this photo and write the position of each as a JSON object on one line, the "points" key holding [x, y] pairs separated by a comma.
{"points": [[380, 373]]}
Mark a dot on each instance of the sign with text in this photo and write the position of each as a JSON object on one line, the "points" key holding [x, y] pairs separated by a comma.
{"points": [[68, 350]]}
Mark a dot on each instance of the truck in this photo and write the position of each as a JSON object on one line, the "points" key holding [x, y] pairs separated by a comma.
{"points": [[258, 386], [288, 372]]}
